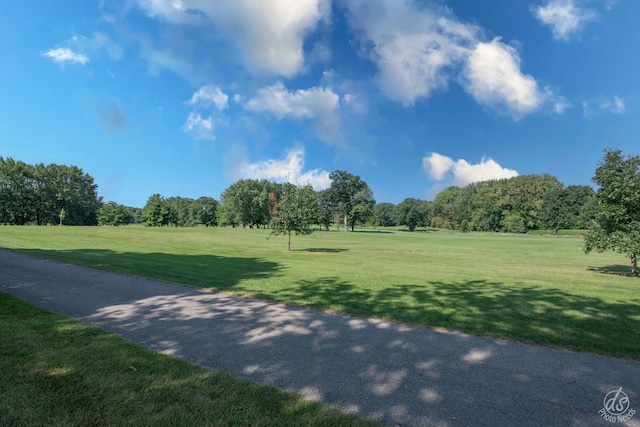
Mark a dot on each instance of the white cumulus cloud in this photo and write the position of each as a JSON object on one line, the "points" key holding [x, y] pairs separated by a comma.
{"points": [[564, 17], [290, 169], [318, 103], [437, 166], [420, 49], [493, 76], [412, 46], [62, 55], [269, 33]]}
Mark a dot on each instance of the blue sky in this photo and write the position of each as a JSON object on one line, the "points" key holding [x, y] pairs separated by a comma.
{"points": [[184, 97]]}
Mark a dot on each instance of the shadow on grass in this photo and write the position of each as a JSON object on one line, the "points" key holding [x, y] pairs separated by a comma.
{"points": [[204, 271], [617, 270], [422, 230], [321, 250], [524, 313]]}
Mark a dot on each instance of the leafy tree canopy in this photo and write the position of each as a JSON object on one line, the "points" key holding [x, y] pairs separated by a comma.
{"points": [[617, 222]]}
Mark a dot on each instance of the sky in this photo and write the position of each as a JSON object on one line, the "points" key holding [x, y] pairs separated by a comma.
{"points": [[185, 97]]}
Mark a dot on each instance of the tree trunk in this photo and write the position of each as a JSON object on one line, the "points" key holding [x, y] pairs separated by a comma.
{"points": [[346, 226], [634, 265], [289, 243]]}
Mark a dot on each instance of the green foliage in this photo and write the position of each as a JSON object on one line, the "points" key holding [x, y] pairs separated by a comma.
{"points": [[351, 197], [325, 208], [384, 214], [114, 214], [246, 202], [155, 212], [295, 212], [562, 208], [204, 211], [180, 212], [515, 205], [413, 213], [37, 194], [617, 222]]}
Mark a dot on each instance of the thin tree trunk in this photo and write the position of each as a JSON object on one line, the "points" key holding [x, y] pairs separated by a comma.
{"points": [[289, 243], [346, 226], [634, 265]]}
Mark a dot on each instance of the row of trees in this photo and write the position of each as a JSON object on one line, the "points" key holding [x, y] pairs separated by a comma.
{"points": [[515, 205], [251, 202], [180, 211], [49, 194], [52, 194]]}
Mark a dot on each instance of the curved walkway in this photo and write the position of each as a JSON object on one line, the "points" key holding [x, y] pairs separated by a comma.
{"points": [[389, 372]]}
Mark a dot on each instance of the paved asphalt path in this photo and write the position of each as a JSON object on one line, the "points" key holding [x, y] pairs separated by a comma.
{"points": [[393, 373]]}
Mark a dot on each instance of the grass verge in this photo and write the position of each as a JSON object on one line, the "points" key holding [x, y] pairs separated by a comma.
{"points": [[55, 371]]}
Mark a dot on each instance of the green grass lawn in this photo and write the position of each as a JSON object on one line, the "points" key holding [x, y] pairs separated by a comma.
{"points": [[55, 371], [537, 289]]}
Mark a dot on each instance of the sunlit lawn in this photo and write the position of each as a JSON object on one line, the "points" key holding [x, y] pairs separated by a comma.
{"points": [[538, 289]]}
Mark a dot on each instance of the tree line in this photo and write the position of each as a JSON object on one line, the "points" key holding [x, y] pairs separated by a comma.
{"points": [[51, 194], [515, 205], [39, 194]]}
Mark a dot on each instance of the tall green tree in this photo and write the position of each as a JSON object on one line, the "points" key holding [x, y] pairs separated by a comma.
{"points": [[362, 209], [384, 213], [555, 213], [617, 223], [295, 212], [112, 213], [325, 208], [247, 202], [350, 196], [204, 211], [412, 212], [156, 211]]}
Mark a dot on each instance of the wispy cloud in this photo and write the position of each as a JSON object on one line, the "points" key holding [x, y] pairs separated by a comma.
{"points": [[290, 169], [462, 173], [318, 103], [199, 127], [564, 17], [64, 55], [208, 96], [612, 105], [204, 99], [96, 43]]}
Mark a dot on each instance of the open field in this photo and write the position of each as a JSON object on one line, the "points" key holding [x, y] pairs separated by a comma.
{"points": [[537, 289], [55, 371]]}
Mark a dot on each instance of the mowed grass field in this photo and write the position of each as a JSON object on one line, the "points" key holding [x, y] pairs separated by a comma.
{"points": [[536, 289]]}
